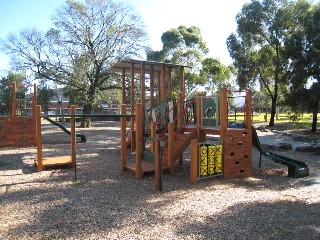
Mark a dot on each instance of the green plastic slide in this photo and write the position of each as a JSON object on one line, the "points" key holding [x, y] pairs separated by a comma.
{"points": [[296, 168]]}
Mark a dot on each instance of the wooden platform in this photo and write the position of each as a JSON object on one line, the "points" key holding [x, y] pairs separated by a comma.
{"points": [[64, 161], [147, 167]]}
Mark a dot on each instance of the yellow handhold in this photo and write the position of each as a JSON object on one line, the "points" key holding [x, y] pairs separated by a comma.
{"points": [[211, 160], [218, 149], [203, 171], [218, 159], [203, 151], [210, 169], [211, 150], [203, 161], [218, 168]]}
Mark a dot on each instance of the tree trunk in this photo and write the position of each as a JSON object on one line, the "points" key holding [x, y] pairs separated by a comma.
{"points": [[86, 121], [273, 111], [315, 111]]}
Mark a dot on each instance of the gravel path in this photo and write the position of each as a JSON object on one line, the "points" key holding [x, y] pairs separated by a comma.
{"points": [[109, 204]]}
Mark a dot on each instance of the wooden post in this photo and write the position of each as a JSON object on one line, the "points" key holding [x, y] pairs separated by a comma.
{"points": [[123, 86], [157, 167], [73, 135], [142, 84], [198, 116], [181, 82], [223, 121], [132, 108], [139, 128], [162, 83], [14, 100], [180, 110], [159, 86], [169, 84], [248, 106], [38, 138], [34, 100], [194, 164], [123, 147], [151, 86], [153, 134], [223, 112], [171, 147], [142, 96]]}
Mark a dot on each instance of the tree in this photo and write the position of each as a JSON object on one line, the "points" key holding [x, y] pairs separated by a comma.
{"points": [[218, 74], [258, 47], [183, 46], [87, 40], [44, 96], [6, 91], [303, 49]]}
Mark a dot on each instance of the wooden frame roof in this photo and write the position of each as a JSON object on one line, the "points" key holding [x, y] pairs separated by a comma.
{"points": [[127, 63]]}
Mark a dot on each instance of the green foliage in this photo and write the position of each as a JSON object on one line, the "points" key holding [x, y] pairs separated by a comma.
{"points": [[183, 46], [218, 74], [258, 47], [6, 91], [86, 41], [303, 49]]}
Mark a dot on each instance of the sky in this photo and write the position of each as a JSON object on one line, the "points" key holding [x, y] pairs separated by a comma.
{"points": [[215, 18]]}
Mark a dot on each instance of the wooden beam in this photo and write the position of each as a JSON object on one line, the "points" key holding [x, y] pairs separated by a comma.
{"points": [[153, 134], [171, 147], [123, 145], [169, 84], [248, 110], [159, 86], [181, 82], [223, 109], [34, 100], [38, 137], [142, 84], [139, 141], [123, 86], [162, 83], [151, 86], [73, 135], [132, 107], [180, 110], [157, 167]]}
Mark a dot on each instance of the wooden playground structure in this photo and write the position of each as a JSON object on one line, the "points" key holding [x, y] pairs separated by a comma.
{"points": [[22, 128], [158, 128], [65, 161], [162, 129], [19, 128]]}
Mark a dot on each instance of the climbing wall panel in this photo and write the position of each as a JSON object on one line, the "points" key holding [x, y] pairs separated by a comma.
{"points": [[237, 153], [17, 131]]}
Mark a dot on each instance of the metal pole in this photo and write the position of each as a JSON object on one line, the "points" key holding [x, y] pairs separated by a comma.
{"points": [[162, 144]]}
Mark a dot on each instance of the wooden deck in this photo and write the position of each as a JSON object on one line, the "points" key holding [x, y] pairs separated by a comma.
{"points": [[64, 161]]}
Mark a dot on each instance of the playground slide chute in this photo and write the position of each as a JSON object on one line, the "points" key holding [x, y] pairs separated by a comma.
{"points": [[81, 136], [296, 168]]}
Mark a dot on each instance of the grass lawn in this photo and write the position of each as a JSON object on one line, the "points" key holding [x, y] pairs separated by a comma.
{"points": [[299, 124]]}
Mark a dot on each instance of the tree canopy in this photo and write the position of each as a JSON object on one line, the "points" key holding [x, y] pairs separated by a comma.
{"points": [[82, 47], [185, 45], [303, 50], [257, 48], [6, 91]]}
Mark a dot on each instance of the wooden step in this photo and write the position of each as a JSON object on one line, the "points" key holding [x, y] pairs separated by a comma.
{"points": [[64, 161]]}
